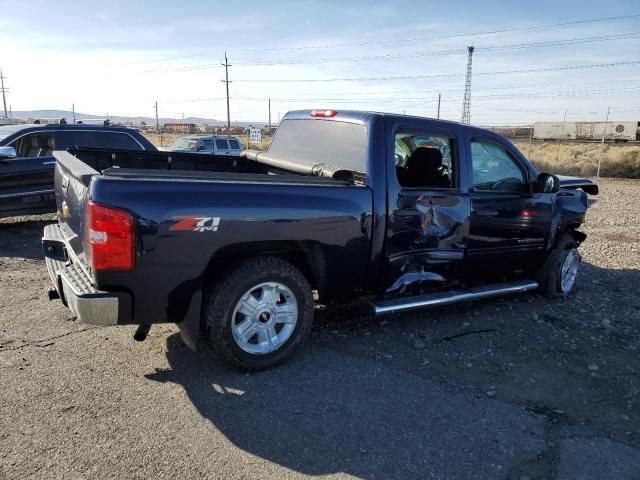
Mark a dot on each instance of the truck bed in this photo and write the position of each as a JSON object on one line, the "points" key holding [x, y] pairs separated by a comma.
{"points": [[172, 165], [263, 205]]}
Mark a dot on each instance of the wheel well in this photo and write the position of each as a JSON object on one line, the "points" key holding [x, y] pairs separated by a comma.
{"points": [[308, 257]]}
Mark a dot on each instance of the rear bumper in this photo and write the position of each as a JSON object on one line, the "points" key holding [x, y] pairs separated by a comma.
{"points": [[76, 289]]}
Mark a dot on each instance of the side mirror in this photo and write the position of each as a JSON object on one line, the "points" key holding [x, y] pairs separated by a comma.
{"points": [[8, 152], [547, 183]]}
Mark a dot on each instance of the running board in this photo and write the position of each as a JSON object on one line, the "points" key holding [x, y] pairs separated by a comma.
{"points": [[383, 307]]}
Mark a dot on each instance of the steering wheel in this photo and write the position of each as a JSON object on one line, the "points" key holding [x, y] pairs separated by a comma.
{"points": [[500, 184]]}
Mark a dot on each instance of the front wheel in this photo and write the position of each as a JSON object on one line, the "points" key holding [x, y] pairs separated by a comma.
{"points": [[259, 313], [557, 277]]}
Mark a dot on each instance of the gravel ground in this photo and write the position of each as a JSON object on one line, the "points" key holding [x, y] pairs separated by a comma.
{"points": [[517, 388]]}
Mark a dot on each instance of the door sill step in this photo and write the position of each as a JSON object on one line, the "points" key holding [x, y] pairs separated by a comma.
{"points": [[383, 307]]}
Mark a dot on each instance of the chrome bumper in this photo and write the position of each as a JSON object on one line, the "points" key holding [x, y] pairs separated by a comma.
{"points": [[76, 289]]}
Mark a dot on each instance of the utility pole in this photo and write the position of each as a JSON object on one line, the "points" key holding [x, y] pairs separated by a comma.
{"points": [[439, 97], [269, 116], [604, 132], [466, 102], [158, 123], [4, 98], [564, 119], [227, 82], [73, 112], [530, 139]]}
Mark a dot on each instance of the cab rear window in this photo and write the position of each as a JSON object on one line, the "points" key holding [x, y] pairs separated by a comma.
{"points": [[322, 141]]}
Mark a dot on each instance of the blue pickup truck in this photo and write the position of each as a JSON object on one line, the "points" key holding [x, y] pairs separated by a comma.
{"points": [[400, 212]]}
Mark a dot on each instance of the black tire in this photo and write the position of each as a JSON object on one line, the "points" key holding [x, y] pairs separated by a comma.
{"points": [[549, 275], [223, 296]]}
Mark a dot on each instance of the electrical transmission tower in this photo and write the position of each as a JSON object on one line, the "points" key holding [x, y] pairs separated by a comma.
{"points": [[466, 103]]}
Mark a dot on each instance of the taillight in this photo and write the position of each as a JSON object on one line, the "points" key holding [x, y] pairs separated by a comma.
{"points": [[110, 238], [323, 113]]}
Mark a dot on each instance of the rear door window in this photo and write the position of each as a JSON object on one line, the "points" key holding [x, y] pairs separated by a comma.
{"points": [[121, 141], [96, 139], [206, 146], [424, 160], [221, 144], [233, 143], [68, 139]]}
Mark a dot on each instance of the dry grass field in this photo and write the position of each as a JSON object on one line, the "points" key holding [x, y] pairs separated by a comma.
{"points": [[620, 161]]}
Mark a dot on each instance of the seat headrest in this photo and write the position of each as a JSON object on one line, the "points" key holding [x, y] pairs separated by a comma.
{"points": [[425, 159]]}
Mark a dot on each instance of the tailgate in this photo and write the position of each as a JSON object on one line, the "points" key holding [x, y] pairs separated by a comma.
{"points": [[72, 179]]}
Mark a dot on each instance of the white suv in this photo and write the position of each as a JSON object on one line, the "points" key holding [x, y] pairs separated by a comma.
{"points": [[207, 144]]}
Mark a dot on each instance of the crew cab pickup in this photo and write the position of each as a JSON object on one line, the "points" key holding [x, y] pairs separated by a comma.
{"points": [[27, 164], [395, 211]]}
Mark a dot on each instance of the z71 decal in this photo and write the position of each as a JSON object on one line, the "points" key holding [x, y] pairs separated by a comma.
{"points": [[195, 224]]}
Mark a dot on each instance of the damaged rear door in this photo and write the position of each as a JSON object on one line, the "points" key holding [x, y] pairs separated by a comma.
{"points": [[427, 211]]}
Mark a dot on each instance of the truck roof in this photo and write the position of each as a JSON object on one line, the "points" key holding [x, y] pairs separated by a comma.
{"points": [[80, 126], [362, 117], [65, 126]]}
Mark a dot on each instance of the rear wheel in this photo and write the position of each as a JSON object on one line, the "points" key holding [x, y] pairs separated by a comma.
{"points": [[259, 314], [557, 277]]}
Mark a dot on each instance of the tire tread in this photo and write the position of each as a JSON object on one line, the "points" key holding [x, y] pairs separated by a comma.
{"points": [[219, 304]]}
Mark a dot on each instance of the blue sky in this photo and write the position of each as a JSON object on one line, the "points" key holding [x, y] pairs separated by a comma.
{"points": [[120, 57]]}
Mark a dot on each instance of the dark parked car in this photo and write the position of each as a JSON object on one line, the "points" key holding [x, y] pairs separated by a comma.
{"points": [[27, 163], [401, 212]]}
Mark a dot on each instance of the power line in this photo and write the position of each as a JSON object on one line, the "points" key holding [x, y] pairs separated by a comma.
{"points": [[440, 37], [406, 40], [428, 99], [502, 87], [570, 93], [401, 56], [442, 75], [456, 51]]}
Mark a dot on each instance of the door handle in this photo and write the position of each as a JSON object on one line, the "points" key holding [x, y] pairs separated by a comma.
{"points": [[486, 213], [53, 162]]}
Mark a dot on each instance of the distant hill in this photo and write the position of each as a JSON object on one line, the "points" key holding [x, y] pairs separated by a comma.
{"points": [[23, 115]]}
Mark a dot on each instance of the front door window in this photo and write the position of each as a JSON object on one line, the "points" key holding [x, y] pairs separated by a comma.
{"points": [[495, 169]]}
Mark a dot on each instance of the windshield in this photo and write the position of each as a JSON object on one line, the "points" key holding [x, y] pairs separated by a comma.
{"points": [[184, 144], [7, 130], [331, 142]]}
